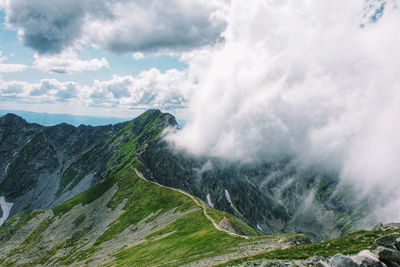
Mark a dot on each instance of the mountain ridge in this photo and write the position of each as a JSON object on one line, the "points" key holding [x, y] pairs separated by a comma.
{"points": [[274, 198]]}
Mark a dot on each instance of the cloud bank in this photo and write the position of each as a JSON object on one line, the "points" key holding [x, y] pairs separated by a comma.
{"points": [[149, 89], [117, 25], [311, 80]]}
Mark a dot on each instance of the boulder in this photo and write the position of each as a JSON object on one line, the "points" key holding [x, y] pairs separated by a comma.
{"points": [[392, 264], [384, 227], [387, 240], [388, 254], [299, 240], [397, 244], [368, 259], [377, 227], [341, 261], [321, 263]]}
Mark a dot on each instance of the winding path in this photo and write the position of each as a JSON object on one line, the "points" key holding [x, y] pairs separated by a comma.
{"points": [[198, 203]]}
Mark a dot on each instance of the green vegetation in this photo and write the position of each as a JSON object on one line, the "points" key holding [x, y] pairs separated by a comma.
{"points": [[76, 237], [79, 220], [191, 237], [84, 198], [239, 226], [136, 134], [143, 199], [15, 223]]}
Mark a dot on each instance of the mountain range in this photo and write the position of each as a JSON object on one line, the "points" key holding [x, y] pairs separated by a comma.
{"points": [[121, 195]]}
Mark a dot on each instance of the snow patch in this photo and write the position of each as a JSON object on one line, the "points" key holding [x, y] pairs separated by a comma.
{"points": [[5, 207], [228, 197], [259, 227], [5, 171], [209, 201]]}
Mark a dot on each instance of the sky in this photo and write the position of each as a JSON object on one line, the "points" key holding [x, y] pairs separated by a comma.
{"points": [[90, 58], [257, 81]]}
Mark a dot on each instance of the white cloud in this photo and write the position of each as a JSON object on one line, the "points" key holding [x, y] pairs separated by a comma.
{"points": [[7, 67], [67, 62], [3, 4], [138, 55], [149, 89], [304, 80], [117, 25]]}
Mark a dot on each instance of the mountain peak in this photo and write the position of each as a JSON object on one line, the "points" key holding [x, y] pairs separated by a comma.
{"points": [[156, 115], [14, 121], [11, 117]]}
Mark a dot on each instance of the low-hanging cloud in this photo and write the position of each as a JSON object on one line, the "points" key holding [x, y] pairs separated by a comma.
{"points": [[117, 25], [311, 80]]}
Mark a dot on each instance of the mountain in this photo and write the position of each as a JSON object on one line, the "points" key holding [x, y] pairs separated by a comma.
{"points": [[119, 194], [42, 167]]}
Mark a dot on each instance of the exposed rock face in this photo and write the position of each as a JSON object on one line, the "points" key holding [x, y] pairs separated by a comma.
{"points": [[388, 254], [341, 261], [387, 240]]}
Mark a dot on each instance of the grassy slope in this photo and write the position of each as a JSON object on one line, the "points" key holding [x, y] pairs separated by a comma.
{"points": [[193, 236]]}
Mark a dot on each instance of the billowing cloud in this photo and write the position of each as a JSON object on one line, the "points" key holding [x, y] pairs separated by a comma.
{"points": [[67, 62], [117, 25], [150, 89], [316, 81]]}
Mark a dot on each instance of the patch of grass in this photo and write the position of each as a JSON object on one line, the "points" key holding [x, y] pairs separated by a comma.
{"points": [[76, 237], [33, 239], [79, 219], [216, 215], [45, 257], [238, 225], [193, 236], [67, 177], [13, 224], [84, 198], [143, 198]]}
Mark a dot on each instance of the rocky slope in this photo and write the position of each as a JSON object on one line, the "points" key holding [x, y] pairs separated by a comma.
{"points": [[379, 247], [43, 166]]}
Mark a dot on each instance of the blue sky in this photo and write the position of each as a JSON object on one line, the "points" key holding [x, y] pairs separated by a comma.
{"points": [[121, 64], [104, 75]]}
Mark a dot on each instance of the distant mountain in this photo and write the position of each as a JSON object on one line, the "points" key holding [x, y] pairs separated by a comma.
{"points": [[48, 119]]}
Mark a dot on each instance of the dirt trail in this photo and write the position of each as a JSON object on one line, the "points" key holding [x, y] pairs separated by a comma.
{"points": [[198, 203]]}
